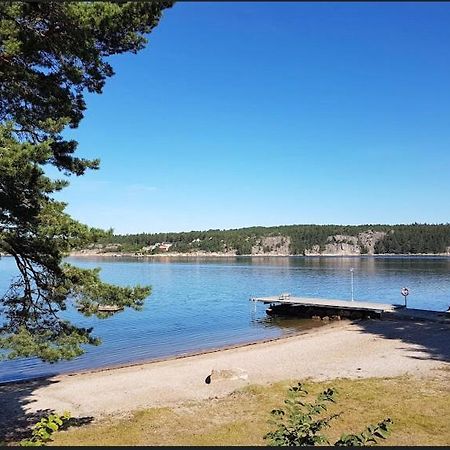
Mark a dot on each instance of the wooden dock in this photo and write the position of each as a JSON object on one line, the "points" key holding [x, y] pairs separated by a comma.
{"points": [[326, 308], [285, 299]]}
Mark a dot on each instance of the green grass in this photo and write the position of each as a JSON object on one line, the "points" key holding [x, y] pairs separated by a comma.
{"points": [[420, 410]]}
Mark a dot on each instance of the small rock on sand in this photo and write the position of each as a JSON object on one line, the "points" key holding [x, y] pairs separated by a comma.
{"points": [[226, 374]]}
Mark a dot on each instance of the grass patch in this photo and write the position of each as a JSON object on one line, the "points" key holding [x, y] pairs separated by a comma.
{"points": [[420, 409]]}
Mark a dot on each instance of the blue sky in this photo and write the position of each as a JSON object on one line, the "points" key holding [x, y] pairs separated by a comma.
{"points": [[243, 114]]}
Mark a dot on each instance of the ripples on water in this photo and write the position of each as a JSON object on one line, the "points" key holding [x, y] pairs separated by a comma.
{"points": [[203, 303]]}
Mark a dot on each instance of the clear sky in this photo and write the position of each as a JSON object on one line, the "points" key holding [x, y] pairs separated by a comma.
{"points": [[243, 114]]}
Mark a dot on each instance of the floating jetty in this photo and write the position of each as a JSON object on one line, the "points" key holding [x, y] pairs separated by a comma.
{"points": [[285, 304]]}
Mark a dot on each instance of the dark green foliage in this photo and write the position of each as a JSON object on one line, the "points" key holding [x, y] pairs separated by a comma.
{"points": [[54, 52], [415, 238], [51, 54], [243, 247], [301, 422]]}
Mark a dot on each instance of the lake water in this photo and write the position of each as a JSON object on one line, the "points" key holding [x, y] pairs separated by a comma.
{"points": [[200, 304]]}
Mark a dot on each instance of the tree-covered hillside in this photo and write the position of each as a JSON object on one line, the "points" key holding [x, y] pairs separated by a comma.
{"points": [[297, 239]]}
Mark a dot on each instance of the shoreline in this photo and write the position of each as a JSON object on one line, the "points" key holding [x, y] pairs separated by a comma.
{"points": [[346, 349], [88, 253], [200, 352]]}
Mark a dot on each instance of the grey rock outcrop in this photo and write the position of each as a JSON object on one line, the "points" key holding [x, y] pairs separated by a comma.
{"points": [[342, 245], [369, 238], [346, 245], [272, 245]]}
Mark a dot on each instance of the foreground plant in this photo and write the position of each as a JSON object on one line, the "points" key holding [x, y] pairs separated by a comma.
{"points": [[43, 430], [301, 422]]}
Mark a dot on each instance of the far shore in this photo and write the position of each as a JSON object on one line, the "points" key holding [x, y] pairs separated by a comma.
{"points": [[90, 253], [137, 255]]}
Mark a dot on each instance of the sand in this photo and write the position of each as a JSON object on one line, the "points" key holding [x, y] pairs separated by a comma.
{"points": [[371, 348]]}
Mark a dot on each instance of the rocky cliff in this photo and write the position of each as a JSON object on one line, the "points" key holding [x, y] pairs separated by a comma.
{"points": [[340, 244], [272, 245]]}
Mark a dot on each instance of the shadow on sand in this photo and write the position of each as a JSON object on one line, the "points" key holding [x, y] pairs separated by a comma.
{"points": [[15, 421], [431, 340], [427, 331]]}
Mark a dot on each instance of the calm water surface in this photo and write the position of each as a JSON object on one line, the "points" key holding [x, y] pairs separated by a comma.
{"points": [[203, 303]]}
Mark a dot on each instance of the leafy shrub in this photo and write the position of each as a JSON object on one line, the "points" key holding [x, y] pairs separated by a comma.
{"points": [[301, 422], [43, 430], [368, 436]]}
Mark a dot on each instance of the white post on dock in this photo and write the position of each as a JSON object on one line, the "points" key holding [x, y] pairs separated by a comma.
{"points": [[351, 271]]}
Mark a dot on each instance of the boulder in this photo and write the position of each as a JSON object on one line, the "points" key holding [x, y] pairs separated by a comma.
{"points": [[226, 374]]}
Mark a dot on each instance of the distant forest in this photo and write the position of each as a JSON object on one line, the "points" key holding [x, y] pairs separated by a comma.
{"points": [[398, 239]]}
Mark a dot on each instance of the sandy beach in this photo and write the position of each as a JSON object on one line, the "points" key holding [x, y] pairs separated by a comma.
{"points": [[371, 348]]}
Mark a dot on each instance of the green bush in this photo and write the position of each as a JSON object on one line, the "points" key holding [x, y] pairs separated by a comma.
{"points": [[43, 430], [301, 422]]}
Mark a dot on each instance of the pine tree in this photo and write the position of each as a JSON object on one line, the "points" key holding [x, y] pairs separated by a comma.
{"points": [[51, 54]]}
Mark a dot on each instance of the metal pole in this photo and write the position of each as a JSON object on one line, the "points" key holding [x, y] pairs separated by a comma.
{"points": [[405, 292], [351, 271]]}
